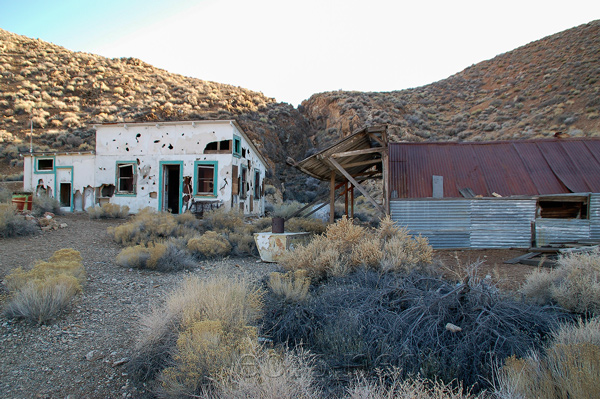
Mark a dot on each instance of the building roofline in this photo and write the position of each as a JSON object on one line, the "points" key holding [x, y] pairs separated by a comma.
{"points": [[52, 153]]}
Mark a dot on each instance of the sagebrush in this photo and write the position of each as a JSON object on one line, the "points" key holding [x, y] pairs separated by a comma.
{"points": [[108, 211], [42, 292], [13, 224]]}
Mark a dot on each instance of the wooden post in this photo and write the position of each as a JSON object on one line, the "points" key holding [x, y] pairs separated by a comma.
{"points": [[352, 200], [332, 198], [346, 199]]}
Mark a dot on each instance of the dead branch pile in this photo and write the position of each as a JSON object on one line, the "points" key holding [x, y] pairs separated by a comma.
{"points": [[420, 324]]}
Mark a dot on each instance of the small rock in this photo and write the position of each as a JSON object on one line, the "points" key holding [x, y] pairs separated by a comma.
{"points": [[453, 328], [120, 362], [62, 225], [90, 355]]}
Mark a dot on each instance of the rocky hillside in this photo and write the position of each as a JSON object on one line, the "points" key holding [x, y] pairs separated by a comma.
{"points": [[65, 92], [548, 86]]}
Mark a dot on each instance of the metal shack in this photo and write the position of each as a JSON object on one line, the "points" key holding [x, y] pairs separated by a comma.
{"points": [[503, 194]]}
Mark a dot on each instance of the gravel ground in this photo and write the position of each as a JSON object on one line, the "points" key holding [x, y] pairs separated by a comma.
{"points": [[83, 352]]}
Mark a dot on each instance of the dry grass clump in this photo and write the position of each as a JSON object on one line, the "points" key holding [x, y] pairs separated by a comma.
{"points": [[346, 246], [309, 225], [108, 211], [569, 367], [209, 245], [41, 293], [151, 226], [161, 256], [291, 286], [270, 374], [392, 385], [220, 220], [45, 203], [203, 329], [574, 284], [12, 224]]}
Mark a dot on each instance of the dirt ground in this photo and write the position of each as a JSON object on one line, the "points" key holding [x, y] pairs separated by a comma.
{"points": [[82, 354]]}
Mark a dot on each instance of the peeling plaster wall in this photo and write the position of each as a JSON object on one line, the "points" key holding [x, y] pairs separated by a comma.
{"points": [[148, 147], [74, 169]]}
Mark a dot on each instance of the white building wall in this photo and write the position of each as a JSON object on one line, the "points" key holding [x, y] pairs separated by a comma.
{"points": [[151, 149]]}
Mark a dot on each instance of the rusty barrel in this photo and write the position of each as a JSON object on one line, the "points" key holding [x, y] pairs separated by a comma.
{"points": [[23, 201], [277, 225]]}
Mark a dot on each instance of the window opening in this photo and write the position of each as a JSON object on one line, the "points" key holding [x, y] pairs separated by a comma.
{"points": [[45, 164], [126, 178], [206, 180], [243, 181], [256, 184]]}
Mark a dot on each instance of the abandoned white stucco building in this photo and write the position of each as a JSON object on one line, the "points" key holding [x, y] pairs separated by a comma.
{"points": [[176, 166]]}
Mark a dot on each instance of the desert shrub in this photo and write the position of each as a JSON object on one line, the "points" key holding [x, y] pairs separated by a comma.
{"points": [[346, 246], [108, 211], [369, 319], [391, 384], [291, 286], [242, 243], [574, 284], [41, 293], [220, 220], [161, 256], [270, 374], [45, 203], [569, 367], [209, 245], [309, 225], [149, 226], [13, 224], [286, 209], [5, 195], [202, 329]]}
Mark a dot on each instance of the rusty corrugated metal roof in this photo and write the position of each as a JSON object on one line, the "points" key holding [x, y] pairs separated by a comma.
{"points": [[508, 168]]}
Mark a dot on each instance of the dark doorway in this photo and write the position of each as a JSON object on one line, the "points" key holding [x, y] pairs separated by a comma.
{"points": [[65, 194], [172, 188]]}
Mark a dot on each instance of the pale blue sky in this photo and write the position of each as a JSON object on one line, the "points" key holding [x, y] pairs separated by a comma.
{"points": [[292, 49]]}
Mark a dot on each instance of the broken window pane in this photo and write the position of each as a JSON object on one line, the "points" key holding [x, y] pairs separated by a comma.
{"points": [[45, 164], [126, 179], [206, 180]]}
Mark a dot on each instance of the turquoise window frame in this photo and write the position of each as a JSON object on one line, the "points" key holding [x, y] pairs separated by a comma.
{"points": [[38, 171], [56, 184], [215, 165], [160, 182], [126, 194], [237, 146]]}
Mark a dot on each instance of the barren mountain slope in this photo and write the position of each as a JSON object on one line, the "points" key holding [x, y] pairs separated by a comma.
{"points": [[548, 86]]}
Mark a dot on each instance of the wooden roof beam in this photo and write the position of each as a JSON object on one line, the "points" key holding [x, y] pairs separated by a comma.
{"points": [[356, 184]]}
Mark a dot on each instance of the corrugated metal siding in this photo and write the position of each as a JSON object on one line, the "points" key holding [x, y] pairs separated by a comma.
{"points": [[468, 223], [556, 231], [503, 224], [445, 223], [595, 216]]}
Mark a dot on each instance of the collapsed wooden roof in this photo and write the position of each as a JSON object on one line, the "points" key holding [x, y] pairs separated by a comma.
{"points": [[352, 160], [357, 154]]}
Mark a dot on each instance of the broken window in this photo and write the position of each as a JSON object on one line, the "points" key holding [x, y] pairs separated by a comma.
{"points": [[256, 184], [237, 146], [206, 178], [125, 178], [243, 182], [575, 207], [218, 147], [45, 164]]}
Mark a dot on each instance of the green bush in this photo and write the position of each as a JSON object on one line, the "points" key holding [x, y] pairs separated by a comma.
{"points": [[5, 195], [41, 293]]}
